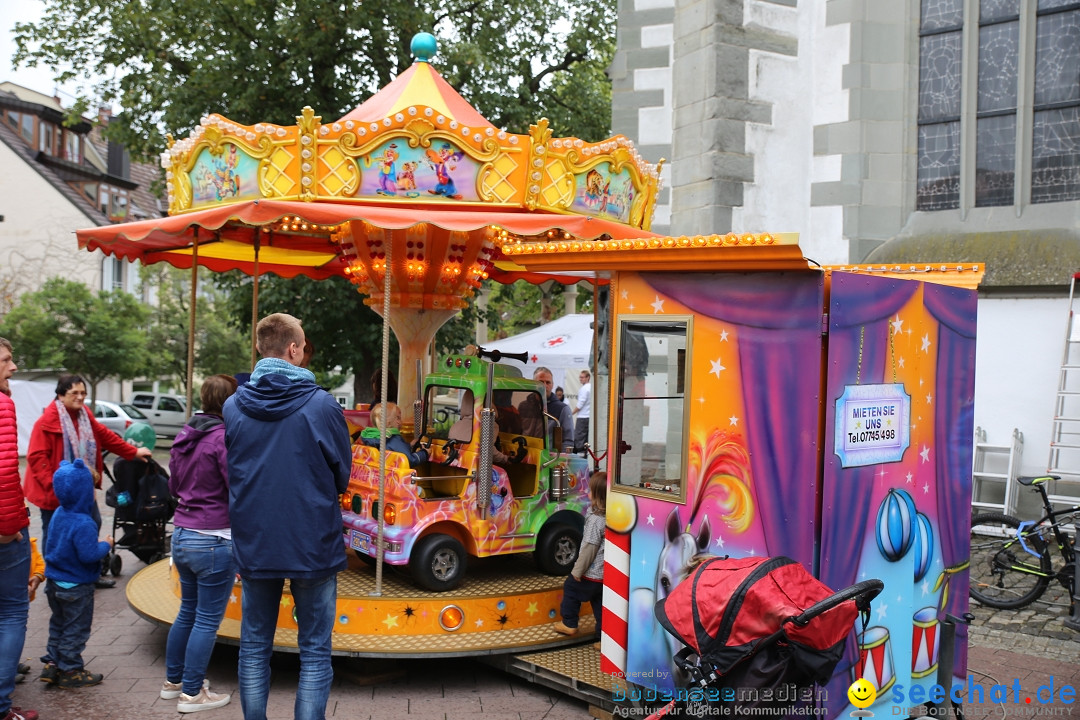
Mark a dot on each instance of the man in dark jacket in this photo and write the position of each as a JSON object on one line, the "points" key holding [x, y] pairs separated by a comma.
{"points": [[289, 459], [557, 408]]}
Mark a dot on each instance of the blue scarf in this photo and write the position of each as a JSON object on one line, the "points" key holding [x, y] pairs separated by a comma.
{"points": [[281, 367]]}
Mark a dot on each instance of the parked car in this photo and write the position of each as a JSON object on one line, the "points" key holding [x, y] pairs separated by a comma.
{"points": [[118, 417], [167, 413]]}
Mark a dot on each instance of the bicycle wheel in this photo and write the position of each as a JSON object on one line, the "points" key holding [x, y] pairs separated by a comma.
{"points": [[1003, 574]]}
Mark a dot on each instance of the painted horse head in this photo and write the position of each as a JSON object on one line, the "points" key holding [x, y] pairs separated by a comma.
{"points": [[677, 558]]}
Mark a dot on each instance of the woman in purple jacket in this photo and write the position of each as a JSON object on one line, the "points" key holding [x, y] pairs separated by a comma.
{"points": [[201, 549]]}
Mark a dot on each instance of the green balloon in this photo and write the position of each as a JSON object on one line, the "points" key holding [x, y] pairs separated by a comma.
{"points": [[141, 435]]}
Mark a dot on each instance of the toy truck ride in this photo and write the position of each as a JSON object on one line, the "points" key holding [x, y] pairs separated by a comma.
{"points": [[495, 482]]}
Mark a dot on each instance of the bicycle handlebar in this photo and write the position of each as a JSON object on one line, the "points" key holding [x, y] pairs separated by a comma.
{"points": [[862, 592]]}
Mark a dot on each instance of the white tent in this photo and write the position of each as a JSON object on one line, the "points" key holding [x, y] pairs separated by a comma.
{"points": [[30, 400], [563, 346]]}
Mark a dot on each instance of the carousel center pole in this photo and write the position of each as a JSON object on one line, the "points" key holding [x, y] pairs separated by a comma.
{"points": [[191, 322], [255, 298]]}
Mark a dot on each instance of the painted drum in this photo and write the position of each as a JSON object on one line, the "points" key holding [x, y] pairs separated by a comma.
{"points": [[875, 659], [924, 642]]}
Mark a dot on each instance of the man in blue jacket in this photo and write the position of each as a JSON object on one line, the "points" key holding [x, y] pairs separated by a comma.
{"points": [[289, 459]]}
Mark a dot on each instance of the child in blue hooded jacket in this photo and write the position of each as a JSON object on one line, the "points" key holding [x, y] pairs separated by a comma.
{"points": [[72, 563]]}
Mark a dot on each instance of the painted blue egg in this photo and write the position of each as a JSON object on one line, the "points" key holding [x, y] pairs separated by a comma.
{"points": [[923, 546], [501, 605], [895, 519]]}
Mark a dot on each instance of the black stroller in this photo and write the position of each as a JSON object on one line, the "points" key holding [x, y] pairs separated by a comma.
{"points": [[759, 633], [143, 509]]}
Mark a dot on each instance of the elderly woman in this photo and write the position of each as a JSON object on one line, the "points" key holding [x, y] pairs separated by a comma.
{"points": [[66, 430]]}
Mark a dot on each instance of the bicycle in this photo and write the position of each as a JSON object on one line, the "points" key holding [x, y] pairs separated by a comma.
{"points": [[1011, 559]]}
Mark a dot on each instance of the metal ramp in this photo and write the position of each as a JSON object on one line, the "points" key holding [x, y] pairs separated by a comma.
{"points": [[573, 671], [1065, 431]]}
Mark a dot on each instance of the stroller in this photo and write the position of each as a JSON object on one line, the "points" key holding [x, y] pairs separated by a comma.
{"points": [[759, 633], [143, 509]]}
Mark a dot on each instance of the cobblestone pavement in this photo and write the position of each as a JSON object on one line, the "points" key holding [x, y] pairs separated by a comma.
{"points": [[1029, 651]]}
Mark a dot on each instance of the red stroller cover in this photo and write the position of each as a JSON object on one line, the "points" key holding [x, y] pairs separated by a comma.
{"points": [[727, 607]]}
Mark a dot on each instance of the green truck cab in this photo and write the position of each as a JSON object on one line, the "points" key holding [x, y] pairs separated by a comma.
{"points": [[495, 482]]}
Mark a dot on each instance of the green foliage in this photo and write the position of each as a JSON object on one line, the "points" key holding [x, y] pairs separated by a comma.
{"points": [[169, 63], [64, 325], [346, 333], [220, 344]]}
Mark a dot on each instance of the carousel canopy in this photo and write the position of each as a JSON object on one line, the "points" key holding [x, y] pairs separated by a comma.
{"points": [[414, 179]]}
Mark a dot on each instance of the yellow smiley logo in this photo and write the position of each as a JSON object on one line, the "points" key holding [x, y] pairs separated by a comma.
{"points": [[861, 693]]}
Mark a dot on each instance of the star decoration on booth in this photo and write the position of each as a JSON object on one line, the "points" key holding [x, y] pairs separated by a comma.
{"points": [[733, 421], [624, 295], [926, 489], [897, 324], [926, 342], [929, 399], [719, 542], [390, 621], [657, 305], [532, 609], [479, 622], [503, 619], [882, 609], [232, 599], [286, 601], [900, 361], [723, 335], [909, 478], [650, 519], [925, 454], [717, 367], [409, 612]]}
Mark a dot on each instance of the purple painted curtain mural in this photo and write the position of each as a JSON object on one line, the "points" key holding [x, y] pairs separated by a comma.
{"points": [[955, 311], [779, 324]]}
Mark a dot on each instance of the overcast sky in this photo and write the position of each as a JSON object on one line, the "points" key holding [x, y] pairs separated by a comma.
{"points": [[39, 78]]}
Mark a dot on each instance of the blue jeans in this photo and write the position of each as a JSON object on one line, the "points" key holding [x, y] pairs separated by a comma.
{"points": [[315, 603], [69, 626], [576, 592], [14, 608], [205, 565]]}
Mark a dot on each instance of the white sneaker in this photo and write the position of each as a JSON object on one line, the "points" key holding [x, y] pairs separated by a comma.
{"points": [[205, 700], [171, 691]]}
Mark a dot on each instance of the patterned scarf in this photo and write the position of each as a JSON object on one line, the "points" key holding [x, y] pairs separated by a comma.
{"points": [[78, 443]]}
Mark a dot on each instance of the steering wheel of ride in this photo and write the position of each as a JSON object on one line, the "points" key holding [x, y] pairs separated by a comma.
{"points": [[420, 442], [451, 450], [523, 449]]}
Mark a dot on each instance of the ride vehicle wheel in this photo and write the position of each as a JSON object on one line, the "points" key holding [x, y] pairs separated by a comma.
{"points": [[367, 559], [438, 562], [558, 549], [116, 564]]}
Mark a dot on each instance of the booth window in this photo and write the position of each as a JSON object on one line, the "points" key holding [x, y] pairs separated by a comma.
{"points": [[652, 382]]}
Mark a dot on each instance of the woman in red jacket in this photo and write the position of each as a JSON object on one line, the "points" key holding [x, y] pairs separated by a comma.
{"points": [[65, 431]]}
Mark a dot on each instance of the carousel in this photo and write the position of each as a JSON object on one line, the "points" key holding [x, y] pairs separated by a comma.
{"points": [[417, 199]]}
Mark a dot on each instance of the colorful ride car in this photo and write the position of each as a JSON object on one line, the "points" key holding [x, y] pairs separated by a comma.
{"points": [[513, 493]]}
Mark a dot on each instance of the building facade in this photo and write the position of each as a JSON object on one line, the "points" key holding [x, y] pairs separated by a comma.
{"points": [[917, 131]]}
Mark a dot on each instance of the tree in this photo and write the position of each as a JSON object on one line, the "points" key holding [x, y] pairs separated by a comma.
{"points": [[64, 325], [220, 343], [168, 64]]}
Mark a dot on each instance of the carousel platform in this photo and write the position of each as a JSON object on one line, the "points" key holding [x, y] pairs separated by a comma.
{"points": [[504, 607]]}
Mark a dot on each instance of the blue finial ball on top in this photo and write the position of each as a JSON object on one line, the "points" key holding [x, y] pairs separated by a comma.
{"points": [[424, 46]]}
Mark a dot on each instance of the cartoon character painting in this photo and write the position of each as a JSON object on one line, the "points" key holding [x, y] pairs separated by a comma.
{"points": [[596, 191], [406, 179], [440, 161], [387, 170], [217, 178]]}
